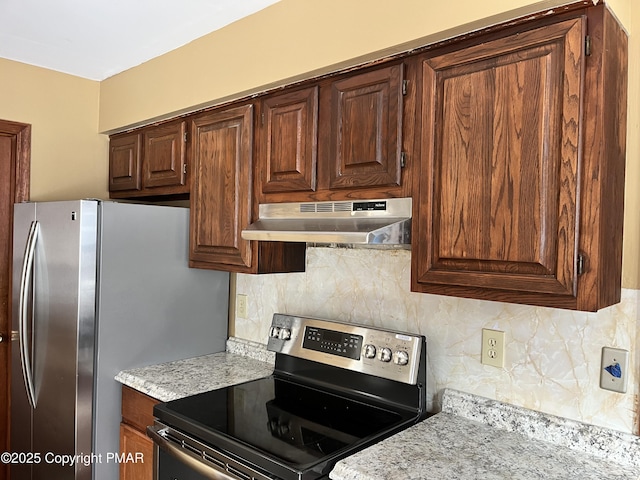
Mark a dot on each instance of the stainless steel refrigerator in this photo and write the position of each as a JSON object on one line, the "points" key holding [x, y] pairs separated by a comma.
{"points": [[98, 287]]}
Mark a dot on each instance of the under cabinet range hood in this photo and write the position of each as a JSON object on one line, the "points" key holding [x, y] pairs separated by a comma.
{"points": [[385, 222]]}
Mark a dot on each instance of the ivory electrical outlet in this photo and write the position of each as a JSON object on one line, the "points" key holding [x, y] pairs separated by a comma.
{"points": [[241, 305], [493, 347], [613, 369]]}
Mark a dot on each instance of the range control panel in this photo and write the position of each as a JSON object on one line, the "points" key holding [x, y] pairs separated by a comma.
{"points": [[330, 341], [384, 353]]}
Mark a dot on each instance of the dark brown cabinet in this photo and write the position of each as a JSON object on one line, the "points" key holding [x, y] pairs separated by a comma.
{"points": [[150, 162], [124, 163], [342, 136], [364, 126], [221, 198], [287, 147], [522, 167], [221, 154], [165, 161], [510, 140]]}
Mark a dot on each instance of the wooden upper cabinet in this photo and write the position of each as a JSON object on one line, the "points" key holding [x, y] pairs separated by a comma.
{"points": [[221, 199], [149, 162], [338, 138], [364, 123], [165, 159], [287, 147], [124, 163], [221, 154], [502, 176]]}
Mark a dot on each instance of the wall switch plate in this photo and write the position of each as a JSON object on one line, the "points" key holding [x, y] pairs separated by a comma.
{"points": [[614, 369], [241, 305], [493, 348]]}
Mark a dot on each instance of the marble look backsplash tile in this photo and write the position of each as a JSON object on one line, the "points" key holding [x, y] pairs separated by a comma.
{"points": [[552, 357]]}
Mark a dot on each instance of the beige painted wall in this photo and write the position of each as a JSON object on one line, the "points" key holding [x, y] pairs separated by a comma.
{"points": [[288, 40], [68, 156]]}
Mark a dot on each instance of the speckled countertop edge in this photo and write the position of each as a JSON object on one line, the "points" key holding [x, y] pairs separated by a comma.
{"points": [[448, 447], [247, 348], [598, 441], [476, 437], [243, 361]]}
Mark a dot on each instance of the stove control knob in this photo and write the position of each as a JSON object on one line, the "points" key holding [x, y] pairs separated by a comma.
{"points": [[401, 358], [275, 332], [369, 351], [284, 334], [385, 355]]}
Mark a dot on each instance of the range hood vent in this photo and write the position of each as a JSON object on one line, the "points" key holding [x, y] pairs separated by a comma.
{"points": [[383, 222]]}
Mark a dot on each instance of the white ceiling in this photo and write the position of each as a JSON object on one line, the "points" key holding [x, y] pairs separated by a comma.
{"points": [[96, 39]]}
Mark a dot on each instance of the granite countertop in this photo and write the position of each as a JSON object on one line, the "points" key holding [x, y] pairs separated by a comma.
{"points": [[243, 361], [472, 438], [477, 438]]}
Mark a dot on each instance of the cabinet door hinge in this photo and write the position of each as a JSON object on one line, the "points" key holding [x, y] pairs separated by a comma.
{"points": [[580, 264], [186, 135], [184, 168], [405, 85], [587, 45], [262, 119], [403, 159]]}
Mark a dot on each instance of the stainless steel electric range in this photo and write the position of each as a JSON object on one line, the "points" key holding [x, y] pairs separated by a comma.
{"points": [[336, 388]]}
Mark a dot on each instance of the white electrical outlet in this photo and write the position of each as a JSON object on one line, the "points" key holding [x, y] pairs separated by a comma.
{"points": [[241, 305], [492, 348], [613, 369]]}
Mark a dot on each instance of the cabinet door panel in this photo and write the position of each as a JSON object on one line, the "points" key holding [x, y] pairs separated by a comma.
{"points": [[366, 130], [165, 156], [501, 150], [220, 195], [139, 447], [289, 145], [124, 163]]}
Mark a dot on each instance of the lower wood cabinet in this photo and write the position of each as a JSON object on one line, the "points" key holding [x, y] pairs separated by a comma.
{"points": [[137, 414]]}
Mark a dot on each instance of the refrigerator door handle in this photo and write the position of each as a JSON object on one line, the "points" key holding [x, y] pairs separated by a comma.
{"points": [[25, 287]]}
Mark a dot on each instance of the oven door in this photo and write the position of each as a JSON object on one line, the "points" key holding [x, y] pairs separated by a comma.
{"points": [[178, 456]]}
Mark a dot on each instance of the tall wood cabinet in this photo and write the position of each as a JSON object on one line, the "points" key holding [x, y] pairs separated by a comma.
{"points": [[519, 193], [221, 149], [221, 198]]}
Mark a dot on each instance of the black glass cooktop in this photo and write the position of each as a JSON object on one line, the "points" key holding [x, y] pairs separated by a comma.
{"points": [[290, 423]]}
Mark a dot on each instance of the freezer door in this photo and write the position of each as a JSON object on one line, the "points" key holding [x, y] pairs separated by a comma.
{"points": [[58, 336], [21, 411]]}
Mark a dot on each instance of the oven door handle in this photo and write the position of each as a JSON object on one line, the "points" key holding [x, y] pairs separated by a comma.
{"points": [[188, 459]]}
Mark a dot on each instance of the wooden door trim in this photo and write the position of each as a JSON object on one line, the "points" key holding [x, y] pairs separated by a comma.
{"points": [[21, 167], [19, 185]]}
